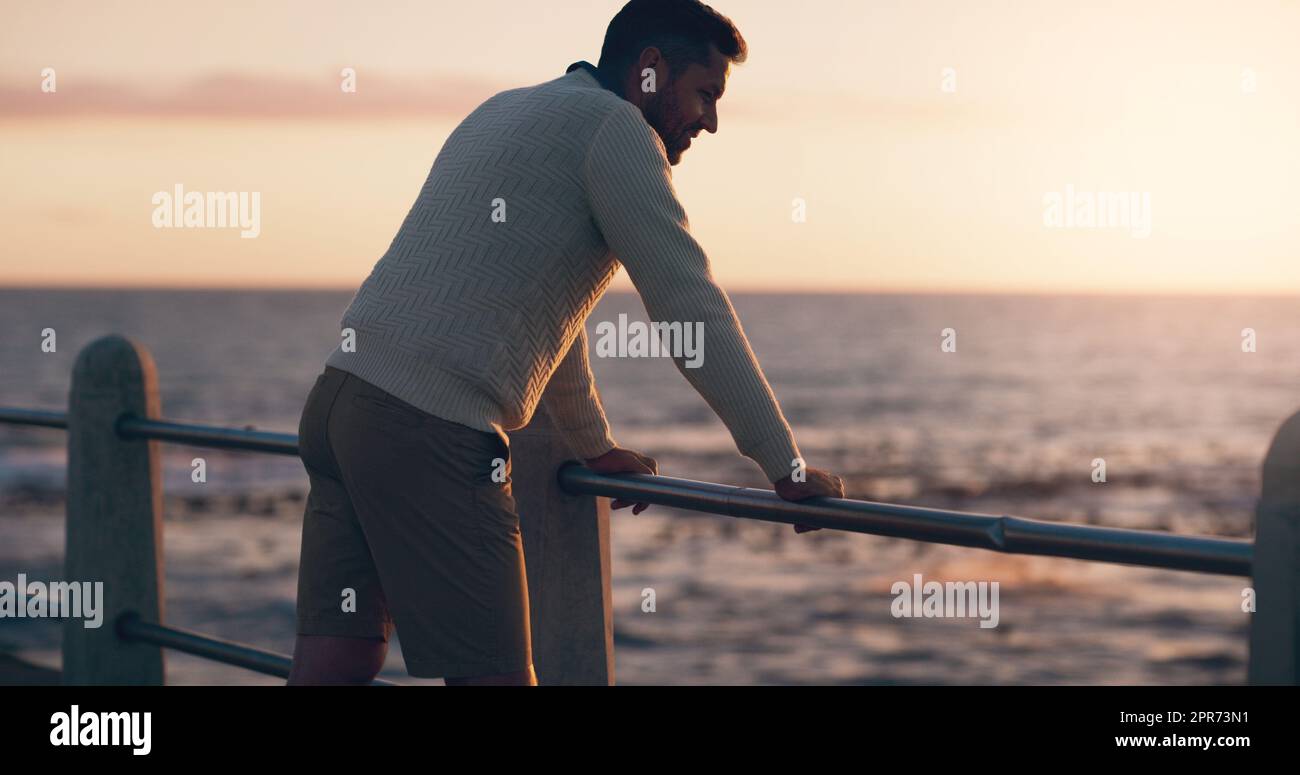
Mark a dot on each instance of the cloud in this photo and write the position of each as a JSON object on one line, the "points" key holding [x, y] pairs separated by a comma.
{"points": [[243, 95], [378, 96]]}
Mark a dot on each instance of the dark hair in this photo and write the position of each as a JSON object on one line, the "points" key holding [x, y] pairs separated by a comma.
{"points": [[681, 29]]}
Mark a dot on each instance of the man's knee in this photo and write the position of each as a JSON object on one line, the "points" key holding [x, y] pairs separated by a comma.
{"points": [[326, 659]]}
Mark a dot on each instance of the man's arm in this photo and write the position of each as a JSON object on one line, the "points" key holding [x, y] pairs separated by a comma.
{"points": [[574, 405], [629, 185]]}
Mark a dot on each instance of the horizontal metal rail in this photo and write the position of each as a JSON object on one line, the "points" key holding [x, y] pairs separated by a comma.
{"points": [[248, 439], [193, 434], [1013, 535], [13, 416], [131, 627]]}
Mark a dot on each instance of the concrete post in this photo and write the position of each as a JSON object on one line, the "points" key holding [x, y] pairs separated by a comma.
{"points": [[566, 550], [114, 521], [1275, 625]]}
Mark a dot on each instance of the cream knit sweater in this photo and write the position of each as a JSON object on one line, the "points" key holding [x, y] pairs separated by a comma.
{"points": [[476, 313]]}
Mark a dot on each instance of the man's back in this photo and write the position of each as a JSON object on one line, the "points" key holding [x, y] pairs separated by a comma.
{"points": [[530, 207], [498, 245]]}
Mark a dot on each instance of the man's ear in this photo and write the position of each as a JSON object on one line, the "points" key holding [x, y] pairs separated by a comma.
{"points": [[651, 59]]}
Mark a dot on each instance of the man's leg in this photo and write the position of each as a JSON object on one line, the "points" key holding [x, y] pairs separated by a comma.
{"points": [[524, 678], [443, 535], [343, 620], [327, 660]]}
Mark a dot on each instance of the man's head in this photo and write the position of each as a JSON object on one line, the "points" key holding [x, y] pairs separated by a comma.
{"points": [[689, 48]]}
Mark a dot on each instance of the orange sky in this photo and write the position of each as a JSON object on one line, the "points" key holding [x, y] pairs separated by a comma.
{"points": [[907, 186]]}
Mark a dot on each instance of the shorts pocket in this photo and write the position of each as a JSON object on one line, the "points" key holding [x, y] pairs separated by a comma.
{"points": [[485, 456], [494, 502], [495, 514]]}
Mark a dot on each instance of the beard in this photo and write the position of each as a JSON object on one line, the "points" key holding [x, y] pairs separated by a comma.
{"points": [[665, 116]]}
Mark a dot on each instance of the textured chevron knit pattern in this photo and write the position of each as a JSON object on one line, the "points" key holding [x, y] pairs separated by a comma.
{"points": [[476, 313]]}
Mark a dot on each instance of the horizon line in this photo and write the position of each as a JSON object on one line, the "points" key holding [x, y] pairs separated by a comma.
{"points": [[756, 291]]}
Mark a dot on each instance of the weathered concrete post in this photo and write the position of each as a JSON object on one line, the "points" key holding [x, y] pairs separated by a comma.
{"points": [[566, 550], [114, 521], [1275, 625]]}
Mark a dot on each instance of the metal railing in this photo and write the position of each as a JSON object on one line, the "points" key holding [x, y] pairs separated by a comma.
{"points": [[1012, 535], [112, 425], [130, 627], [11, 416]]}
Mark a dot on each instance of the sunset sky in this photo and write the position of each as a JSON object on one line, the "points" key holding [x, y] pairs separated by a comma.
{"points": [[909, 187]]}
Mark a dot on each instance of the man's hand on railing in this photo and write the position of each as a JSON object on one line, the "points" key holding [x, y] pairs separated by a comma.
{"points": [[816, 483], [619, 461]]}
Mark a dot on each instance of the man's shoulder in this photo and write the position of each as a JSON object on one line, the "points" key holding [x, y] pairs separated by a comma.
{"points": [[569, 109], [566, 93]]}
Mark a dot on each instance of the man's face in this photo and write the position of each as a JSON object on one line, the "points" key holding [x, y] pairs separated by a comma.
{"points": [[688, 105]]}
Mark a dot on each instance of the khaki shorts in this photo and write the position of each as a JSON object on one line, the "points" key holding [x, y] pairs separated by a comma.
{"points": [[405, 528]]}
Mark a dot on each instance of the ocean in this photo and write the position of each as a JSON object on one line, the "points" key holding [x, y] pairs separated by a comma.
{"points": [[1038, 389]]}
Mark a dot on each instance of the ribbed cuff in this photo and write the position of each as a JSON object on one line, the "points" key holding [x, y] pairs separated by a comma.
{"points": [[589, 442], [775, 456]]}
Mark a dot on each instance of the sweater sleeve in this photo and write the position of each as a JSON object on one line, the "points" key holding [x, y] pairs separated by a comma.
{"points": [[629, 187], [574, 405]]}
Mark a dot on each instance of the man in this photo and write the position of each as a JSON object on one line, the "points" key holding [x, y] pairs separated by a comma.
{"points": [[479, 304]]}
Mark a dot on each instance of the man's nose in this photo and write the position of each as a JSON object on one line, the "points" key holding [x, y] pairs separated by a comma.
{"points": [[710, 120]]}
